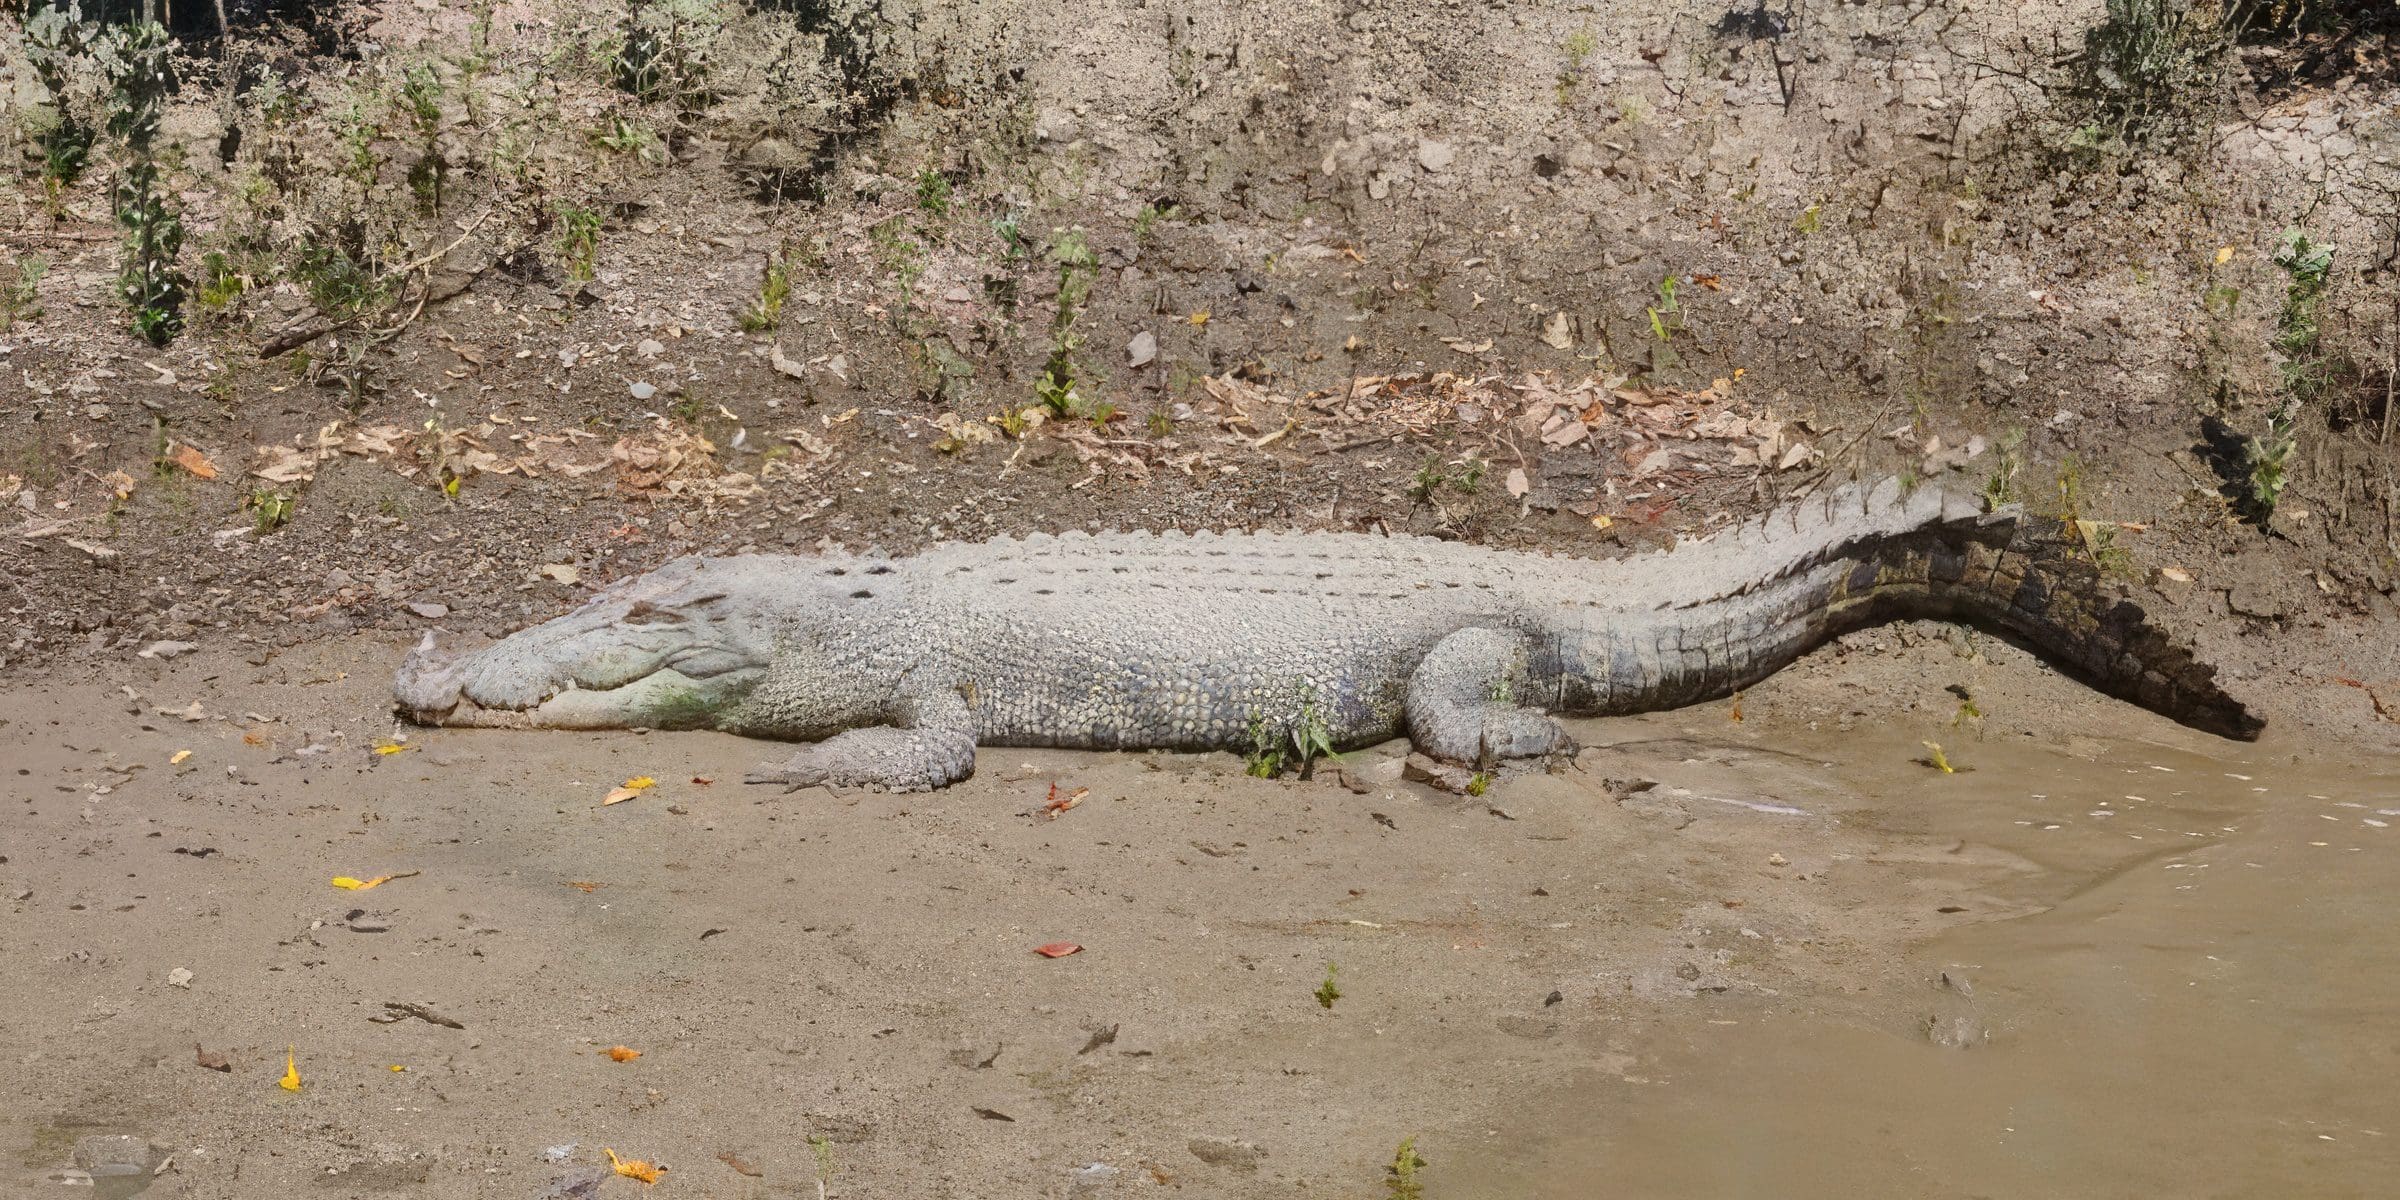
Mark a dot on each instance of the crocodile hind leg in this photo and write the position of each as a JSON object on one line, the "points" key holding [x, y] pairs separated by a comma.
{"points": [[1462, 702], [930, 744]]}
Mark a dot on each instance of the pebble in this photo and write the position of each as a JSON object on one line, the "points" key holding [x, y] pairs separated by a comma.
{"points": [[429, 610], [1142, 350], [1226, 1152], [166, 649], [1435, 155], [180, 977], [643, 391]]}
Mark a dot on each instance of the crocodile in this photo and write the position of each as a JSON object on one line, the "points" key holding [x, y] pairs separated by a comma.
{"points": [[895, 668]]}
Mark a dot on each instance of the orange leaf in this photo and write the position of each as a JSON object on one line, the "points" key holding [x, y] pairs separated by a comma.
{"points": [[633, 1168], [1060, 804], [586, 886], [1058, 949], [623, 1053], [190, 459]]}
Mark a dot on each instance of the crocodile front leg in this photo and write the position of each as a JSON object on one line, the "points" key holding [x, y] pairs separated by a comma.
{"points": [[1462, 702], [929, 744]]}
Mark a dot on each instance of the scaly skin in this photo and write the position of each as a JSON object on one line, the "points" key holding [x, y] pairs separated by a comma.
{"points": [[896, 670]]}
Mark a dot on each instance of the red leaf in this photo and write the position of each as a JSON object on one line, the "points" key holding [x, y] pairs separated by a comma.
{"points": [[1058, 950]]}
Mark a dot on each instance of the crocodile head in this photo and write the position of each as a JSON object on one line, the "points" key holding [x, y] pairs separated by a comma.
{"points": [[663, 651]]}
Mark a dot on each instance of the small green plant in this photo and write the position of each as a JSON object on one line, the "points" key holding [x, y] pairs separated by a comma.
{"points": [[2308, 267], [1328, 991], [269, 509], [579, 241], [1426, 481], [774, 288], [2000, 487], [220, 283], [823, 1146], [1810, 220], [1010, 226], [343, 288], [2147, 74], [22, 300], [1434, 474], [1578, 50], [623, 136], [1666, 316], [1479, 783], [933, 192], [56, 41], [1400, 1178], [1147, 221], [421, 103], [1077, 265], [1162, 423], [141, 75], [1265, 760]]}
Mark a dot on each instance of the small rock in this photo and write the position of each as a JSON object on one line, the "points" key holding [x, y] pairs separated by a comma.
{"points": [[650, 348], [1142, 350], [166, 649], [2252, 598], [21, 894], [1226, 1152], [431, 611], [643, 391], [582, 1183], [180, 977], [1435, 155], [1777, 860], [1422, 769]]}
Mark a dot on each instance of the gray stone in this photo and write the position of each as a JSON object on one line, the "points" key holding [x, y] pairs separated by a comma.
{"points": [[1142, 350], [1435, 155], [430, 610], [1226, 1152]]}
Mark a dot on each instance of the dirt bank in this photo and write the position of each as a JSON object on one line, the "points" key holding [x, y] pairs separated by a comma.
{"points": [[861, 970]]}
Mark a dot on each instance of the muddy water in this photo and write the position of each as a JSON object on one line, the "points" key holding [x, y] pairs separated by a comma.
{"points": [[2189, 987]]}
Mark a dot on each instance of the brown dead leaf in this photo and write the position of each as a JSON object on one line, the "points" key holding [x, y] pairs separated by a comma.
{"points": [[192, 460], [740, 1165], [1057, 949], [209, 1061], [120, 484], [1518, 485]]}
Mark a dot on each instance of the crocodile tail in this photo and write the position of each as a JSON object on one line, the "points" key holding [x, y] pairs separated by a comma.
{"points": [[2043, 591], [2031, 581]]}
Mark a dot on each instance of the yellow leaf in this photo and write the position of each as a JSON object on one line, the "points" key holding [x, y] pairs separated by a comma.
{"points": [[389, 747], [623, 1053], [395, 1067], [1200, 318], [1936, 759], [639, 782], [291, 1071], [633, 1168], [348, 883], [2224, 255], [177, 758]]}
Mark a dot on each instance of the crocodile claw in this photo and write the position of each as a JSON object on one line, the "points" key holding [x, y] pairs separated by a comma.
{"points": [[800, 771]]}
